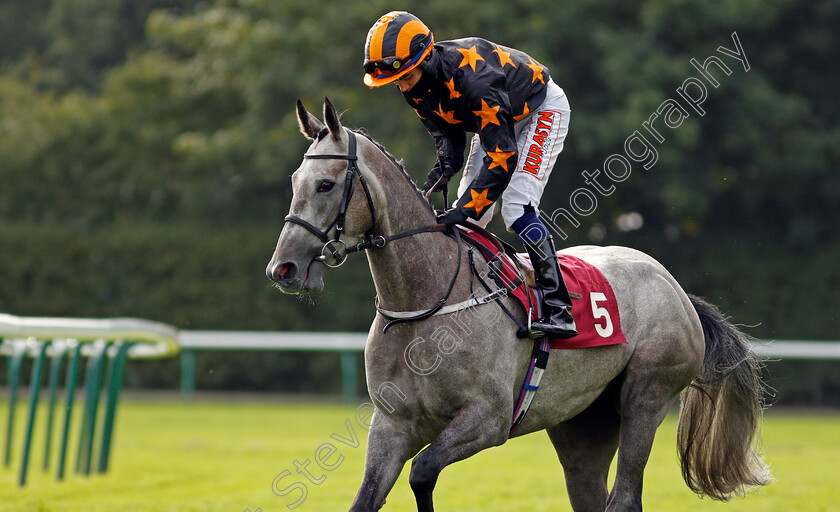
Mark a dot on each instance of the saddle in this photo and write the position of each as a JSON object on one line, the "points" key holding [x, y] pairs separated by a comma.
{"points": [[594, 306]]}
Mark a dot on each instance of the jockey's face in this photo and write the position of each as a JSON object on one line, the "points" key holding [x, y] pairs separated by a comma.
{"points": [[406, 82]]}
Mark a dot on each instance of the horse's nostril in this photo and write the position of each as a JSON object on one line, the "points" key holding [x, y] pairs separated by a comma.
{"points": [[282, 272]]}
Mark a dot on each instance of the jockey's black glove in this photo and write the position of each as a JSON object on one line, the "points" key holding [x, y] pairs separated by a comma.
{"points": [[438, 171], [452, 216]]}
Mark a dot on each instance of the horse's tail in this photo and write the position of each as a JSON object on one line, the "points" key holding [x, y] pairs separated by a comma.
{"points": [[720, 413]]}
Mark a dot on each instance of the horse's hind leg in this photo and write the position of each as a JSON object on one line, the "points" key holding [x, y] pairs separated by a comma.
{"points": [[645, 399], [586, 445], [473, 429]]}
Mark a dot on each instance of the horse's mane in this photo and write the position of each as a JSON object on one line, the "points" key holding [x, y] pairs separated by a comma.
{"points": [[397, 163]]}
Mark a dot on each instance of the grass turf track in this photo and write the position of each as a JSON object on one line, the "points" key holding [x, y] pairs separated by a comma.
{"points": [[223, 456]]}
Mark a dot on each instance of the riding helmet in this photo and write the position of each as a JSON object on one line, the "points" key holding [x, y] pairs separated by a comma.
{"points": [[397, 43]]}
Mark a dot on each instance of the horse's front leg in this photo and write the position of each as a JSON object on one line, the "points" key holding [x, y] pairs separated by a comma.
{"points": [[389, 446], [474, 428]]}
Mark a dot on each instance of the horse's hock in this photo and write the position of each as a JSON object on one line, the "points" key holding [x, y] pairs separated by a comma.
{"points": [[106, 344]]}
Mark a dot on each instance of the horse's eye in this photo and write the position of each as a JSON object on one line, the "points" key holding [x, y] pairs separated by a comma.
{"points": [[325, 186]]}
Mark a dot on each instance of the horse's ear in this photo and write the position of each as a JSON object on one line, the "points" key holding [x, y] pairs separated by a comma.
{"points": [[331, 118], [310, 126]]}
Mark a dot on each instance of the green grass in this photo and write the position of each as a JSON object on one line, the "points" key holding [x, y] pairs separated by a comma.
{"points": [[224, 456]]}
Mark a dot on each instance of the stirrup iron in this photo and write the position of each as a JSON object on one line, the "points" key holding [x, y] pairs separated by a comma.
{"points": [[531, 332]]}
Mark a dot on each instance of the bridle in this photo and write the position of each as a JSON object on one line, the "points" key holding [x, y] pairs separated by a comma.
{"points": [[336, 248], [332, 246]]}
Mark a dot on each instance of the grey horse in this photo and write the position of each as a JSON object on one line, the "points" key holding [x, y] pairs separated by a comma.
{"points": [[445, 386]]}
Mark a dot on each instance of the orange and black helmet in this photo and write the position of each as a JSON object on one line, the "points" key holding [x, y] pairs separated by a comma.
{"points": [[397, 43]]}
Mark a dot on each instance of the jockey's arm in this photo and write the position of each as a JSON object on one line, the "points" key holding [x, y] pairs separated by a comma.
{"points": [[450, 144]]}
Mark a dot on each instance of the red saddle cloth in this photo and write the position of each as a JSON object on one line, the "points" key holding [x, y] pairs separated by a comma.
{"points": [[594, 306]]}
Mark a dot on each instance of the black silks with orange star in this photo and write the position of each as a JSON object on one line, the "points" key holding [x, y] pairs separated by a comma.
{"points": [[474, 85]]}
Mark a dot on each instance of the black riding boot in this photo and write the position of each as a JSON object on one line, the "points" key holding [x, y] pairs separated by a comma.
{"points": [[557, 321]]}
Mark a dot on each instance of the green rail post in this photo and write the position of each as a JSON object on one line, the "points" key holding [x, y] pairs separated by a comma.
{"points": [[70, 387], [93, 383], [188, 373], [349, 376], [55, 371], [116, 369], [15, 364], [34, 391]]}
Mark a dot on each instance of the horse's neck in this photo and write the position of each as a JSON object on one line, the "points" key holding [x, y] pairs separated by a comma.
{"points": [[411, 273]]}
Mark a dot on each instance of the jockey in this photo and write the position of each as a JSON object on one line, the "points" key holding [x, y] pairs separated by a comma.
{"points": [[519, 116]]}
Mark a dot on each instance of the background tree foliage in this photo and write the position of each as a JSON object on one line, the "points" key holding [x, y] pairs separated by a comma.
{"points": [[146, 148]]}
